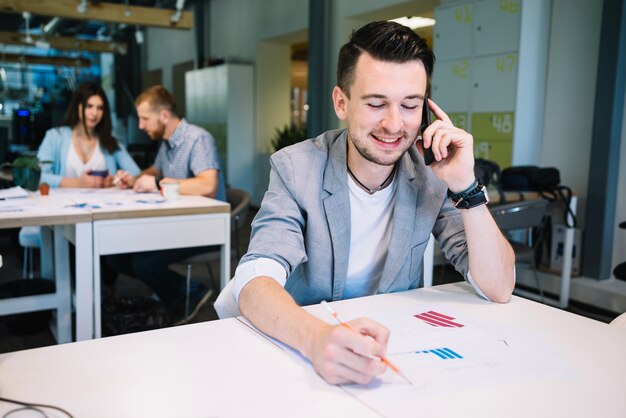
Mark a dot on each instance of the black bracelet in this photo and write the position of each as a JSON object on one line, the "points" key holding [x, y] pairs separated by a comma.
{"points": [[464, 193], [469, 199]]}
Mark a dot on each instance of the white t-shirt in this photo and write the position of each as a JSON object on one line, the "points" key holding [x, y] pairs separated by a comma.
{"points": [[75, 166], [371, 224], [370, 233]]}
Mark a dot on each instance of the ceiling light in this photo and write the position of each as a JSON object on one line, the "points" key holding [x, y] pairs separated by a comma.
{"points": [[139, 36], [415, 22], [82, 7]]}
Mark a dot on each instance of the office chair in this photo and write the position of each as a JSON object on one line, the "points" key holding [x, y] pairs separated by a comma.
{"points": [[239, 204], [523, 215]]}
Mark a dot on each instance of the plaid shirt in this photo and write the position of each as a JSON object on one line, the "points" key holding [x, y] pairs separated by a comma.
{"points": [[190, 151]]}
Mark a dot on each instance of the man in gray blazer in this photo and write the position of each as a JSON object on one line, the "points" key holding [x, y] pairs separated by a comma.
{"points": [[349, 213]]}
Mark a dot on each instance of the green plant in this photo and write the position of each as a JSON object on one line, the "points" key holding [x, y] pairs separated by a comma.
{"points": [[27, 162], [288, 135], [26, 171]]}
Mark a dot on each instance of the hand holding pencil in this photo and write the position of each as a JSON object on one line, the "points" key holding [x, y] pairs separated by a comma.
{"points": [[380, 358], [123, 179]]}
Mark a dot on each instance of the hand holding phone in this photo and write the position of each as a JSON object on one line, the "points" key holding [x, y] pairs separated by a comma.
{"points": [[429, 157], [99, 173]]}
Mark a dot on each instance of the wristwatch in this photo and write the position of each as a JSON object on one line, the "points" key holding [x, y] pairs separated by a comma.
{"points": [[471, 198]]}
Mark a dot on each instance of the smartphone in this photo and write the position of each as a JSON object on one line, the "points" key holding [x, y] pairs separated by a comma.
{"points": [[99, 173], [429, 157]]}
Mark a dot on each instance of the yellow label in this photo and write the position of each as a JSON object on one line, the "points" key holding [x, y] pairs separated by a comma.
{"points": [[506, 63], [493, 125], [500, 151], [509, 6], [459, 119], [462, 14], [460, 69]]}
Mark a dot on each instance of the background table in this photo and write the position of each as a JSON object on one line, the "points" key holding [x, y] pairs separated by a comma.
{"points": [[60, 224], [191, 221], [103, 222]]}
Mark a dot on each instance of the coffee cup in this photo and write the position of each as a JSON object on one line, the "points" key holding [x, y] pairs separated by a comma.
{"points": [[170, 190]]}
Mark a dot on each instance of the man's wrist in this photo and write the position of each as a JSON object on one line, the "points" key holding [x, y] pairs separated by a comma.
{"points": [[473, 196], [460, 187]]}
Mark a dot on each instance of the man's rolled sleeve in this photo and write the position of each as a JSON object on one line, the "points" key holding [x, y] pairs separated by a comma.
{"points": [[248, 271]]}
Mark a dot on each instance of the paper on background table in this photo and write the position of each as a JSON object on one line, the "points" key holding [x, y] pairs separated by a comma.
{"points": [[13, 193], [16, 205], [110, 197]]}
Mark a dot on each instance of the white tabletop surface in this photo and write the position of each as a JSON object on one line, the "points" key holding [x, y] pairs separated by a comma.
{"points": [[559, 365], [211, 369], [565, 365]]}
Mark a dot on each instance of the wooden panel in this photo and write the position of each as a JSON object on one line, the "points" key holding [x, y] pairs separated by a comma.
{"points": [[66, 43], [39, 59], [105, 12]]}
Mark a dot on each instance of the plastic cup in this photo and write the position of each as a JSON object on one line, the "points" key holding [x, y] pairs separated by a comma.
{"points": [[170, 191]]}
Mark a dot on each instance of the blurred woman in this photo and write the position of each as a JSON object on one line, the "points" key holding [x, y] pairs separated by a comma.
{"points": [[83, 151]]}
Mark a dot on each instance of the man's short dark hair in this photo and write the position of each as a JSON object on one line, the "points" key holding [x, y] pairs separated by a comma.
{"points": [[384, 41]]}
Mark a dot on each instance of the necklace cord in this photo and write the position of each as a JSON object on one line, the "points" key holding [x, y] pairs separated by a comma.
{"points": [[372, 191]]}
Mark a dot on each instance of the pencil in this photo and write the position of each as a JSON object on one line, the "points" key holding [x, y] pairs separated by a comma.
{"points": [[350, 327], [118, 178]]}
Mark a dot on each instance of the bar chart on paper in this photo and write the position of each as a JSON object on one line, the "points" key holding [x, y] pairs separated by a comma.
{"points": [[437, 319], [443, 353]]}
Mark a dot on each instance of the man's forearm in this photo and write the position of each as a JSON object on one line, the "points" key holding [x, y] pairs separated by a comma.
{"points": [[197, 186], [272, 310], [150, 171], [491, 258]]}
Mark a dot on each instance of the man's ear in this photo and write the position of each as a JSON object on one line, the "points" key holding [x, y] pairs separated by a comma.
{"points": [[340, 102], [164, 116]]}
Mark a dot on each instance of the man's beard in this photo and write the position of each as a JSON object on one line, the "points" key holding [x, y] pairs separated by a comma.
{"points": [[158, 133], [380, 158]]}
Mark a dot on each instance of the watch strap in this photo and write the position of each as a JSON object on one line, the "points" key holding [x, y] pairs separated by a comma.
{"points": [[157, 181], [470, 198]]}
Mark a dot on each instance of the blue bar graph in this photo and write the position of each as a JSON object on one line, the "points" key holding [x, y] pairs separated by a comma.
{"points": [[443, 353]]}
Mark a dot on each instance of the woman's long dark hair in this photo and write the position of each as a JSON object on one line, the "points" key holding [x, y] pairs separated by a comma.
{"points": [[103, 128]]}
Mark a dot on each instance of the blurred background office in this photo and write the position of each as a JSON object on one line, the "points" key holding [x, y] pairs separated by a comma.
{"points": [[537, 82]]}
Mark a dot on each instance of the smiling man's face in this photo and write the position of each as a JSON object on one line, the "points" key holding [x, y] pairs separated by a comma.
{"points": [[384, 110]]}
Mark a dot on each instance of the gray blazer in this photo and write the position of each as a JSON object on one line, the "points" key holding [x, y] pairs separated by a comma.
{"points": [[304, 221]]}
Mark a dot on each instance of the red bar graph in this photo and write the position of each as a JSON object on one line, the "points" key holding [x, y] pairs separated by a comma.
{"points": [[437, 319]]}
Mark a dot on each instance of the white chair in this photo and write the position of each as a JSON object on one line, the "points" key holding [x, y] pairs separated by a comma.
{"points": [[524, 215], [30, 238]]}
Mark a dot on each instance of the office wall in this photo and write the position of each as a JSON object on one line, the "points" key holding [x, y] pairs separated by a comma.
{"points": [[570, 91], [238, 25], [167, 47]]}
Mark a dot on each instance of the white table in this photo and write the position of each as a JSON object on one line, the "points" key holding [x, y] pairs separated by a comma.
{"points": [[191, 221], [211, 369], [60, 224], [590, 369], [110, 222], [225, 369]]}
